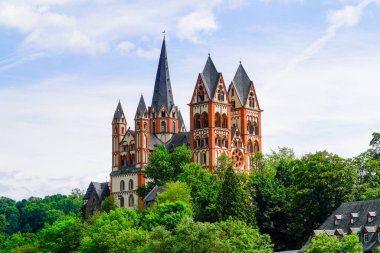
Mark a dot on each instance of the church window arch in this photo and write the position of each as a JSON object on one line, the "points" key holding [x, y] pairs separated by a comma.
{"points": [[233, 104], [197, 121], [173, 127], [204, 119], [256, 128], [138, 126], [217, 119], [163, 126], [173, 115], [122, 185], [163, 113], [250, 147], [256, 147], [121, 201], [122, 130], [138, 140], [130, 184], [115, 130], [220, 93], [251, 100], [145, 141], [224, 121], [131, 200], [250, 127], [204, 158], [200, 94], [153, 127]]}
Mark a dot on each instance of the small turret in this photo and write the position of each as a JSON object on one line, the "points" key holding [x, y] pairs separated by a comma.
{"points": [[119, 127]]}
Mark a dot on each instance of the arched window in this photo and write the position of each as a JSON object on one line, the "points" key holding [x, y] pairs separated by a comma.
{"points": [[200, 94], [250, 147], [132, 159], [224, 121], [121, 201], [163, 113], [251, 100], [138, 140], [233, 104], [256, 128], [145, 141], [145, 125], [138, 126], [131, 200], [173, 115], [197, 121], [130, 184], [204, 158], [153, 126], [220, 93], [122, 130], [250, 127], [163, 126], [115, 130], [204, 119], [232, 92], [217, 119], [173, 127], [256, 147], [122, 185]]}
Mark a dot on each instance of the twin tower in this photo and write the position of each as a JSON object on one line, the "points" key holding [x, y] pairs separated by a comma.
{"points": [[222, 121]]}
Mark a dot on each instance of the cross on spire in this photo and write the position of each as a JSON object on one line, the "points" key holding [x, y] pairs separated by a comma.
{"points": [[164, 33]]}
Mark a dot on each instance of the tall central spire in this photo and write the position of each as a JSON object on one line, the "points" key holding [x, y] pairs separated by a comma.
{"points": [[162, 94]]}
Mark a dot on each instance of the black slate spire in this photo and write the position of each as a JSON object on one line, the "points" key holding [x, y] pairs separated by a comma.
{"points": [[210, 76], [162, 94], [118, 112], [141, 107], [242, 83]]}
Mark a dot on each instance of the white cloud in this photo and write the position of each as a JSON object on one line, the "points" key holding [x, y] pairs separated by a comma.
{"points": [[346, 17], [125, 47]]}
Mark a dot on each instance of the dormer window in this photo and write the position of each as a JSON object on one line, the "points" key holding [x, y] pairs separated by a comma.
{"points": [[365, 237], [232, 92], [251, 100], [353, 217], [337, 219], [233, 104], [163, 113], [371, 216]]}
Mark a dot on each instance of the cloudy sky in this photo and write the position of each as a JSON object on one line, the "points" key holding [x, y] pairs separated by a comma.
{"points": [[64, 65]]}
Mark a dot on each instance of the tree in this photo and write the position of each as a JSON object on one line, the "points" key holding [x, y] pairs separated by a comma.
{"points": [[375, 145], [64, 235], [160, 240], [179, 191], [108, 204], [168, 214], [272, 191], [233, 201], [324, 243], [164, 167], [77, 193], [237, 236], [205, 189], [322, 182]]}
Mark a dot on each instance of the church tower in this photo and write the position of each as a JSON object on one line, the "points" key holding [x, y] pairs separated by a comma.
{"points": [[119, 126], [142, 134], [245, 119], [209, 117], [163, 113]]}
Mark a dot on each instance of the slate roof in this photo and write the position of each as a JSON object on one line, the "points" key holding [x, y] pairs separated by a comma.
{"points": [[154, 141], [344, 211], [101, 189], [118, 112], [162, 94], [125, 170], [180, 120], [152, 195], [178, 139], [210, 77], [242, 83], [141, 107]]}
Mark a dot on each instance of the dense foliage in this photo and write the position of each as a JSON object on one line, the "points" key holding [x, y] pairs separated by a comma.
{"points": [[275, 207]]}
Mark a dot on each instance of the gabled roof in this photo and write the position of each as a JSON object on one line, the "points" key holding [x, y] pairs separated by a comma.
{"points": [[101, 189], [180, 120], [152, 195], [162, 94], [118, 112], [141, 107], [154, 142], [178, 139], [242, 83], [210, 77]]}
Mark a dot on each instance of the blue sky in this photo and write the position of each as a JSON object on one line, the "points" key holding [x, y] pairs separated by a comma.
{"points": [[64, 64]]}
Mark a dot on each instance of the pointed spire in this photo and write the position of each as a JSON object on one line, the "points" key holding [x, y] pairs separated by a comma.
{"points": [[141, 107], [210, 76], [242, 83], [118, 112], [162, 94]]}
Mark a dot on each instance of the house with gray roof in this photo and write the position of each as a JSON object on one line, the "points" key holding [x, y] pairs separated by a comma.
{"points": [[94, 196]]}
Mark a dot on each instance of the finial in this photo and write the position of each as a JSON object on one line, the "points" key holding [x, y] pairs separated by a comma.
{"points": [[164, 32], [209, 52], [240, 60]]}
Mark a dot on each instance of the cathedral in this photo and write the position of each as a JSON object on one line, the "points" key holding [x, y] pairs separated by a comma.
{"points": [[223, 120]]}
